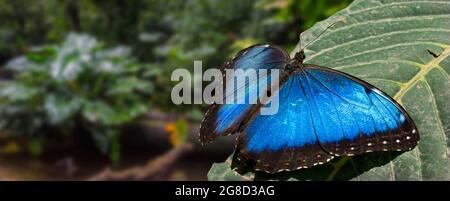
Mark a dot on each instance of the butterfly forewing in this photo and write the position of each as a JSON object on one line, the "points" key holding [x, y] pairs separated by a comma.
{"points": [[224, 119]]}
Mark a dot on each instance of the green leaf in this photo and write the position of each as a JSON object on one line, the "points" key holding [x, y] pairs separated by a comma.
{"points": [[385, 43], [222, 171], [41, 55], [112, 115], [102, 113], [60, 108], [127, 85], [14, 91]]}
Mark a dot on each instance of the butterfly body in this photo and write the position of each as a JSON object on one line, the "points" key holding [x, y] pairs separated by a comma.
{"points": [[323, 113]]}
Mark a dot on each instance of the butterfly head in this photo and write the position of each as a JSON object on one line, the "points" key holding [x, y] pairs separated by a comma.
{"points": [[298, 58]]}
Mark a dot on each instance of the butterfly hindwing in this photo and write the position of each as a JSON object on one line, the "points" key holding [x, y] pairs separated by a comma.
{"points": [[325, 113], [224, 119]]}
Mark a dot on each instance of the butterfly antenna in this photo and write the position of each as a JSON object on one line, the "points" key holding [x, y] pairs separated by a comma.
{"points": [[329, 26]]}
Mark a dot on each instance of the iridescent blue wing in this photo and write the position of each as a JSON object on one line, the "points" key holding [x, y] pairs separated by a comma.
{"points": [[225, 119], [285, 140], [355, 117], [325, 113]]}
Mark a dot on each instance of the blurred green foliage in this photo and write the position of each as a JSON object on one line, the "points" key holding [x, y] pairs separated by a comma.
{"points": [[306, 12], [77, 85], [169, 34], [83, 84]]}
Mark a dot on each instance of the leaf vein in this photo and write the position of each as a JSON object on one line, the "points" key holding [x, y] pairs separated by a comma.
{"points": [[398, 3], [393, 19], [430, 65], [389, 61], [389, 47], [375, 37], [419, 160], [385, 80], [436, 114]]}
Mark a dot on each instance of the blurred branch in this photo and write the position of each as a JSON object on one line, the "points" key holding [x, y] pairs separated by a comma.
{"points": [[149, 170], [155, 121]]}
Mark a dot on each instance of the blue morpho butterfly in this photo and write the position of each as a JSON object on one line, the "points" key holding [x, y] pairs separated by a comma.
{"points": [[323, 113]]}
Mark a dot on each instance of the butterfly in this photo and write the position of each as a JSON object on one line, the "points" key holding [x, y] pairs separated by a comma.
{"points": [[323, 113]]}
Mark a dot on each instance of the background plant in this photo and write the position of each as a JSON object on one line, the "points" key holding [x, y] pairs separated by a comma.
{"points": [[77, 86], [167, 34]]}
